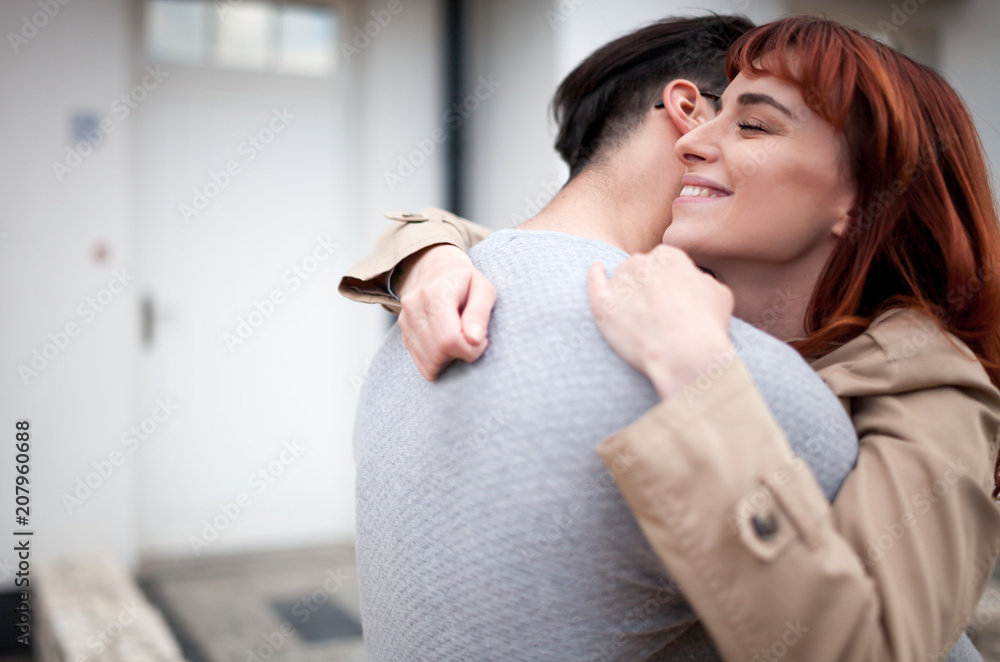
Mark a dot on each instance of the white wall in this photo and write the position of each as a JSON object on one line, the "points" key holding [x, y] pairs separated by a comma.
{"points": [[386, 95], [79, 404], [83, 401], [401, 79], [969, 53], [509, 155], [585, 26], [402, 82]]}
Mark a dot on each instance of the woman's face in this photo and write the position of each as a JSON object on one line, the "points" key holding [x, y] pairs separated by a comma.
{"points": [[767, 183]]}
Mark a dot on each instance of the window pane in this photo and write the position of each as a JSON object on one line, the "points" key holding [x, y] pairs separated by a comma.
{"points": [[245, 35], [175, 31], [306, 36]]}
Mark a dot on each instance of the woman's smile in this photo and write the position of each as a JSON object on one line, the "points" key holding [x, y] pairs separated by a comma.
{"points": [[700, 189]]}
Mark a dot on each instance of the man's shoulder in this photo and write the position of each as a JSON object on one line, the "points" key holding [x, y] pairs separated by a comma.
{"points": [[529, 241], [540, 256], [542, 316]]}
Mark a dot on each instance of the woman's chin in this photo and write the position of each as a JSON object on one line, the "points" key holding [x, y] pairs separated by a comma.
{"points": [[699, 248], [681, 237]]}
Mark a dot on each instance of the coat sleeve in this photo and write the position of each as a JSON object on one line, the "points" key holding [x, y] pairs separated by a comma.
{"points": [[892, 571], [367, 281]]}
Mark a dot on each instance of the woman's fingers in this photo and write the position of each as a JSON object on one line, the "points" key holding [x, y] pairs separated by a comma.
{"points": [[428, 330], [414, 327], [661, 314], [598, 289], [432, 321], [446, 306], [478, 307]]}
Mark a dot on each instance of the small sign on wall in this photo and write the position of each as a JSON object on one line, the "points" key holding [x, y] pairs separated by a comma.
{"points": [[85, 125]]}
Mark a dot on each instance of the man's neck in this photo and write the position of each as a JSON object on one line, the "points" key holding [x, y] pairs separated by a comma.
{"points": [[596, 206]]}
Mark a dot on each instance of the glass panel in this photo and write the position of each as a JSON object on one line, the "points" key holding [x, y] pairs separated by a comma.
{"points": [[306, 35], [245, 35], [175, 31]]}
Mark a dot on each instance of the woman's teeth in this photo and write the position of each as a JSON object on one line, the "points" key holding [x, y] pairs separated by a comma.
{"points": [[701, 192]]}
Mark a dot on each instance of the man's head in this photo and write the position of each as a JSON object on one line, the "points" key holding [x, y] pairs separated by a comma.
{"points": [[609, 95]]}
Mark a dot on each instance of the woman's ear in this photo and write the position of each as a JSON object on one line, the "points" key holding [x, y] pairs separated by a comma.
{"points": [[847, 210], [846, 219], [685, 106], [844, 223]]}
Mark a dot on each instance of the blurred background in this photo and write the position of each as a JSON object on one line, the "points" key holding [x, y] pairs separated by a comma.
{"points": [[184, 182]]}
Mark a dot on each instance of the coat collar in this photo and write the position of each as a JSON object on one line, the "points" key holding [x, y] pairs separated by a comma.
{"points": [[903, 349]]}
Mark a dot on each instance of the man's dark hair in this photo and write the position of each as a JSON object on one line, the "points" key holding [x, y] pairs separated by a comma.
{"points": [[607, 96]]}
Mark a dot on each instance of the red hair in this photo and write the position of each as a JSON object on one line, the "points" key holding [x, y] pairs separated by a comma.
{"points": [[924, 233]]}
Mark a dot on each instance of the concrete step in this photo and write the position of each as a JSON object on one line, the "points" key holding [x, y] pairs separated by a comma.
{"points": [[93, 610]]}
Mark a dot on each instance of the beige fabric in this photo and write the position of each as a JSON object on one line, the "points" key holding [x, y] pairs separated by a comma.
{"points": [[367, 281], [891, 572], [894, 569]]}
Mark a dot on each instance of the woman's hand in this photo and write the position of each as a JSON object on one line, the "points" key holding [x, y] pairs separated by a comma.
{"points": [[446, 305], [663, 315]]}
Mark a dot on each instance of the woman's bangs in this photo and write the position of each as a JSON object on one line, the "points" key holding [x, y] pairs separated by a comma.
{"points": [[804, 52]]}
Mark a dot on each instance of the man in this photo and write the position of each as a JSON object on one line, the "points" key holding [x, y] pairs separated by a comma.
{"points": [[487, 526]]}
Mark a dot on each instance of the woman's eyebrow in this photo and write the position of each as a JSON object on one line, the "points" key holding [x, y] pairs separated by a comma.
{"points": [[751, 98]]}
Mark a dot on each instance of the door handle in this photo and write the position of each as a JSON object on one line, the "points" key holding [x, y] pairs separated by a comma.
{"points": [[148, 319]]}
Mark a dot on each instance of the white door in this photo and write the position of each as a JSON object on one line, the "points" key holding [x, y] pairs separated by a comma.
{"points": [[245, 195]]}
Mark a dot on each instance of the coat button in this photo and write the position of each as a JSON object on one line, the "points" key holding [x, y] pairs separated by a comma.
{"points": [[765, 524]]}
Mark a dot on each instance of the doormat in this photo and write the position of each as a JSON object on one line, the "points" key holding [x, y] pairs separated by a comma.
{"points": [[287, 606]]}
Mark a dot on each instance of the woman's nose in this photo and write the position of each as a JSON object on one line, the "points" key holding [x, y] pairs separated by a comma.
{"points": [[695, 145], [688, 157]]}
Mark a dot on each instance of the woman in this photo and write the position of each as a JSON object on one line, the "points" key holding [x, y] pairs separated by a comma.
{"points": [[861, 188], [885, 222]]}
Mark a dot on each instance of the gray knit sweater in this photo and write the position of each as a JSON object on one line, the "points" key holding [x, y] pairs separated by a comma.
{"points": [[487, 527]]}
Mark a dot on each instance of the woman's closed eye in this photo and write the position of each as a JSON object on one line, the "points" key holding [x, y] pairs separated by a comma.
{"points": [[752, 127]]}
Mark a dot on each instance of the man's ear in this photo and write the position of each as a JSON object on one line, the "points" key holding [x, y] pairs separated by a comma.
{"points": [[685, 106]]}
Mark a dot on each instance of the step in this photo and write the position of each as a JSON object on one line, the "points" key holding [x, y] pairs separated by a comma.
{"points": [[93, 610]]}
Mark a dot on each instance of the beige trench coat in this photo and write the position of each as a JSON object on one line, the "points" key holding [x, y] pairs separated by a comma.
{"points": [[892, 570]]}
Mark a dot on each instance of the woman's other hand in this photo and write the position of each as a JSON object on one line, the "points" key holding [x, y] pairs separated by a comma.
{"points": [[446, 305], [663, 315]]}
